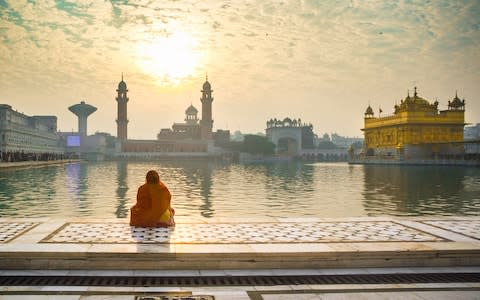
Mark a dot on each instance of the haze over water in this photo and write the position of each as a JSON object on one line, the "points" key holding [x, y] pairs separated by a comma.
{"points": [[208, 189]]}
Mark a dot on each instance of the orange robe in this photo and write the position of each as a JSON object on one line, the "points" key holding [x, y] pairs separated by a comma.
{"points": [[153, 207]]}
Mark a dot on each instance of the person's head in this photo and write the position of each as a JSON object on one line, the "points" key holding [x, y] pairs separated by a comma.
{"points": [[152, 177]]}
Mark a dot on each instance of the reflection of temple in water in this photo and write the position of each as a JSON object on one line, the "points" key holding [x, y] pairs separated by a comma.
{"points": [[415, 190], [290, 176], [122, 188], [287, 179], [197, 176]]}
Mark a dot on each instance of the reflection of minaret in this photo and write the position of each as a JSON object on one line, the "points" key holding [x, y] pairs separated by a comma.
{"points": [[82, 111], [206, 209], [122, 120], [122, 210], [206, 122]]}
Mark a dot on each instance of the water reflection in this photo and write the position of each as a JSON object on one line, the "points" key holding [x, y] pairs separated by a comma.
{"points": [[77, 185], [189, 182], [262, 189], [284, 182], [205, 176], [289, 176], [19, 190], [417, 190], [197, 185], [122, 189], [213, 189]]}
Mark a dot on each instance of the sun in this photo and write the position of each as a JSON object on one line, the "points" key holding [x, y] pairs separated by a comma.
{"points": [[169, 59]]}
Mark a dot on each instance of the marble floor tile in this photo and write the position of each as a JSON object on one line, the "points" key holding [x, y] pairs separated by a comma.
{"points": [[470, 228], [241, 233], [11, 230]]}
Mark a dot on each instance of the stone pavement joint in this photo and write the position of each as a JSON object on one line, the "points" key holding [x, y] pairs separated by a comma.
{"points": [[468, 228]]}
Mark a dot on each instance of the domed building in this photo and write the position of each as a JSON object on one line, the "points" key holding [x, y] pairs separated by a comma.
{"points": [[191, 129], [369, 112], [191, 138], [417, 129]]}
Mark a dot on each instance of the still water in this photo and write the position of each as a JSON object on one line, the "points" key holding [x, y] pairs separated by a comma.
{"points": [[210, 189]]}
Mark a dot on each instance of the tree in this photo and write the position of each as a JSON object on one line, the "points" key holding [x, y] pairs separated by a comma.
{"points": [[256, 144], [357, 145], [237, 136]]}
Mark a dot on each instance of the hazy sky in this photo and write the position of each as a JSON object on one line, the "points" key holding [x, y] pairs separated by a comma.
{"points": [[318, 60]]}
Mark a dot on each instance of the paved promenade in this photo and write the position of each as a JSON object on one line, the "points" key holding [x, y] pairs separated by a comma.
{"points": [[246, 247], [240, 244]]}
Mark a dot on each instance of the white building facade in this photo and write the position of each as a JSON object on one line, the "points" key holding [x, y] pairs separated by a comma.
{"points": [[471, 135], [30, 135]]}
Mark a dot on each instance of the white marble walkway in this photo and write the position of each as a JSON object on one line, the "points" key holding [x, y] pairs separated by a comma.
{"points": [[246, 232], [241, 243]]}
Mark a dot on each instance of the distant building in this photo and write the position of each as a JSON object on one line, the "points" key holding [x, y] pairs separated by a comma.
{"points": [[90, 147], [191, 129], [193, 137], [290, 136], [471, 134], [30, 135], [221, 138], [345, 142], [293, 138], [417, 129]]}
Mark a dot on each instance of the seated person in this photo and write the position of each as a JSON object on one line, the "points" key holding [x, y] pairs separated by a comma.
{"points": [[153, 204]]}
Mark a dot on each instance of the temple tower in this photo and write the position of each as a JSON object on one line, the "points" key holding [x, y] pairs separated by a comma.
{"points": [[82, 111], [122, 120], [206, 123]]}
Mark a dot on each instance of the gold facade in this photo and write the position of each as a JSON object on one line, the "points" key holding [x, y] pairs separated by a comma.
{"points": [[416, 124]]}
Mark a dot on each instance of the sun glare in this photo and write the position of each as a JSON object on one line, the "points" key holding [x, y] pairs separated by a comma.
{"points": [[169, 59]]}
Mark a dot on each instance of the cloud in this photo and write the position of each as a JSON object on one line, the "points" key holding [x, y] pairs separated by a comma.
{"points": [[258, 53]]}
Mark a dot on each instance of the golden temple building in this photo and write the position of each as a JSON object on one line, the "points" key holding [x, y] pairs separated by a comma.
{"points": [[417, 129]]}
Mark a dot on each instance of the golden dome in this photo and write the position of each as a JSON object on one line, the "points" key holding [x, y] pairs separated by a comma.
{"points": [[369, 111]]}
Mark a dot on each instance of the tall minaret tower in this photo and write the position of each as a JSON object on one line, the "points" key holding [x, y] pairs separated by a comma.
{"points": [[206, 123], [122, 120]]}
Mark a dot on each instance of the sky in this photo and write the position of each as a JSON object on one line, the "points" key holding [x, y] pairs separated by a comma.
{"points": [[319, 60]]}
